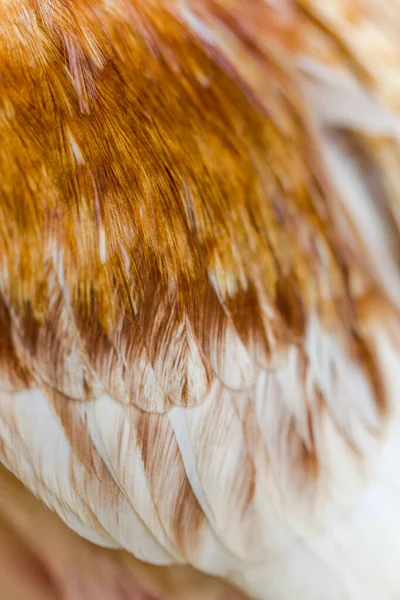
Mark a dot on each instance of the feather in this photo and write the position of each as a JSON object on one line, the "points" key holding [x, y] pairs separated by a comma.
{"points": [[199, 285]]}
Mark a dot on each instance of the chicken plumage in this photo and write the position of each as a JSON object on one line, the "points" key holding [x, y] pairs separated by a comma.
{"points": [[200, 285]]}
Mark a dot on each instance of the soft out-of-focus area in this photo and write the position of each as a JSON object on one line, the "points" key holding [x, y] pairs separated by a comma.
{"points": [[41, 559]]}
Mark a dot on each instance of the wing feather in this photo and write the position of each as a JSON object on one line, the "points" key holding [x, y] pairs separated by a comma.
{"points": [[198, 305]]}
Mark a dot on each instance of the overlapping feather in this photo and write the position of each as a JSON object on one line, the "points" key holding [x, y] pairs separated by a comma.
{"points": [[187, 368]]}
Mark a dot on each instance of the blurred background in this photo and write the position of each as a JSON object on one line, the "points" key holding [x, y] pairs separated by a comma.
{"points": [[41, 559]]}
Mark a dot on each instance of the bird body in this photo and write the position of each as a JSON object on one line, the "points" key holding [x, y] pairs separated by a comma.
{"points": [[200, 285]]}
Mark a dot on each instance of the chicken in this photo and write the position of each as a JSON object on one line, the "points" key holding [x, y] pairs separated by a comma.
{"points": [[200, 285]]}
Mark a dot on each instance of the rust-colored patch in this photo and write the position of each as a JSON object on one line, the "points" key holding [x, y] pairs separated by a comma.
{"points": [[76, 431], [162, 170], [14, 373], [178, 508], [155, 167]]}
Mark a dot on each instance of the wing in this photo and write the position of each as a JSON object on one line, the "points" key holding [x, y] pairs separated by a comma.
{"points": [[197, 341]]}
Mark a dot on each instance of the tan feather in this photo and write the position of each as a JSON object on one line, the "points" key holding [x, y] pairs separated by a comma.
{"points": [[199, 283]]}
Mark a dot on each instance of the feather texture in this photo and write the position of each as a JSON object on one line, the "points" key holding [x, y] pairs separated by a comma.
{"points": [[199, 284]]}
